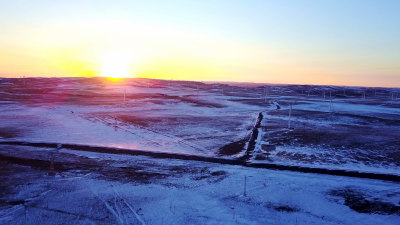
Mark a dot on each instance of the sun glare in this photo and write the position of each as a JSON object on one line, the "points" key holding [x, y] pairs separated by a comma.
{"points": [[116, 66]]}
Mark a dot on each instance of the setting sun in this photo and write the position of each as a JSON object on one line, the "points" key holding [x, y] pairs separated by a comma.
{"points": [[116, 65]]}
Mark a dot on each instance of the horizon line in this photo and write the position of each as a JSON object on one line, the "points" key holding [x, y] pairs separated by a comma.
{"points": [[204, 81]]}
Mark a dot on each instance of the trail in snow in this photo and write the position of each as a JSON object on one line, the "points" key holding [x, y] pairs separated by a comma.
{"points": [[129, 206]]}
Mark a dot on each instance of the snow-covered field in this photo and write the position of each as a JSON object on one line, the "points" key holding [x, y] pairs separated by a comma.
{"points": [[348, 128], [94, 188], [348, 132], [170, 118]]}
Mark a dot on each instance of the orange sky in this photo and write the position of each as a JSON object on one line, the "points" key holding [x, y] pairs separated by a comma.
{"points": [[260, 41]]}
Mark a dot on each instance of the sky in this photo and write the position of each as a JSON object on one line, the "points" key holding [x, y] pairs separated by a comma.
{"points": [[335, 42]]}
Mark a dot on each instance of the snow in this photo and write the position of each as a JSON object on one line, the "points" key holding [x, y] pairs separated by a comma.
{"points": [[187, 118], [186, 198], [79, 125]]}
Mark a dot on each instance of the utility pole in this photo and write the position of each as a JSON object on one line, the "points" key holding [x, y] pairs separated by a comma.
{"points": [[51, 163], [124, 96], [245, 183], [290, 115], [265, 94], [25, 212]]}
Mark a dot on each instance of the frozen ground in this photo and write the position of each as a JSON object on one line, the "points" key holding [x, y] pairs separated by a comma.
{"points": [[92, 188], [155, 115], [349, 133], [349, 128]]}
